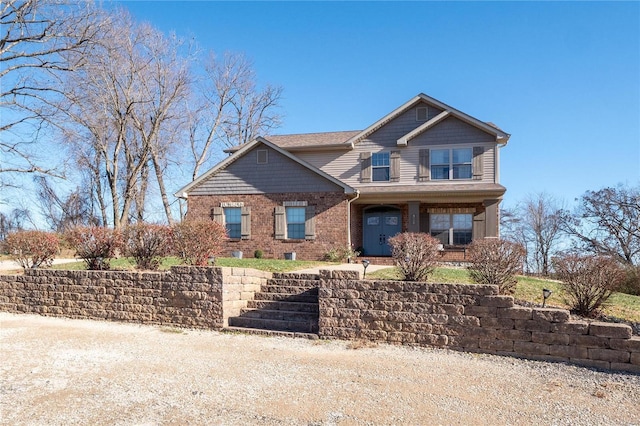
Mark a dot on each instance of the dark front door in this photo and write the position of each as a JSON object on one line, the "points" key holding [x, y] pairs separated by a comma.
{"points": [[380, 223]]}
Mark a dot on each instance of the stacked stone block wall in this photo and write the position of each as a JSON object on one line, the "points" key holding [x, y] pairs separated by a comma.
{"points": [[468, 318], [184, 296]]}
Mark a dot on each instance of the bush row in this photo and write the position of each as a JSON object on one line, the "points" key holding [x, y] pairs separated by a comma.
{"points": [[194, 242]]}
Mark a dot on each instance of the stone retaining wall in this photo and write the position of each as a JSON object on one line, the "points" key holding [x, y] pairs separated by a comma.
{"points": [[184, 296], [471, 318]]}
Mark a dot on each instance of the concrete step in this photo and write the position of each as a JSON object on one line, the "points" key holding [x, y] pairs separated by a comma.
{"points": [[293, 282], [281, 289], [272, 324], [287, 297], [275, 333], [276, 305], [295, 275], [279, 315]]}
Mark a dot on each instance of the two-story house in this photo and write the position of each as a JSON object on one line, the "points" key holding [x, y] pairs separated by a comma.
{"points": [[424, 167]]}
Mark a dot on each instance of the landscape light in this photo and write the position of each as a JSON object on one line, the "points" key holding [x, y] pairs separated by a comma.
{"points": [[545, 295], [365, 263]]}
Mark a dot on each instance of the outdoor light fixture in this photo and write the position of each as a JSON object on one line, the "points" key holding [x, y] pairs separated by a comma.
{"points": [[365, 263], [545, 295]]}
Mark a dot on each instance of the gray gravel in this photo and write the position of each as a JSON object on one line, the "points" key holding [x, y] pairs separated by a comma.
{"points": [[61, 371]]}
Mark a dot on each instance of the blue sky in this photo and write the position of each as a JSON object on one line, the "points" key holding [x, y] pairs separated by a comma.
{"points": [[562, 78]]}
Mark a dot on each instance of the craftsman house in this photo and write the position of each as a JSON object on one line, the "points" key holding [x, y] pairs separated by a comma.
{"points": [[424, 167]]}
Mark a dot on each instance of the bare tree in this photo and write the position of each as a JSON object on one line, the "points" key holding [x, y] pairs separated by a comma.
{"points": [[232, 109], [14, 221], [607, 222], [535, 224], [36, 34], [65, 212]]}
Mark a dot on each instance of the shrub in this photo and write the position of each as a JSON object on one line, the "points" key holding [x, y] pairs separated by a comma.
{"points": [[341, 254], [195, 241], [95, 245], [495, 261], [32, 249], [588, 281], [146, 243], [631, 283], [258, 254], [415, 255]]}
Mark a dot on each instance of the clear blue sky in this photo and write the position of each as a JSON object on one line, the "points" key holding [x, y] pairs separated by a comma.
{"points": [[562, 78]]}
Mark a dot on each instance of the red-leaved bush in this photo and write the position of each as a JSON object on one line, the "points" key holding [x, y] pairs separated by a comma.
{"points": [[415, 255], [95, 245], [195, 241], [147, 243], [588, 281], [32, 249], [495, 261]]}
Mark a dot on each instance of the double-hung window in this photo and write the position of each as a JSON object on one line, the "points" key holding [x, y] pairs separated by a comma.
{"points": [[452, 229], [380, 165], [295, 222], [233, 222], [450, 164]]}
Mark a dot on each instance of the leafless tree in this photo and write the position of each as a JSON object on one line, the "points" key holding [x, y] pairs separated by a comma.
{"points": [[535, 224], [65, 212], [232, 109], [607, 222], [35, 36], [14, 221]]}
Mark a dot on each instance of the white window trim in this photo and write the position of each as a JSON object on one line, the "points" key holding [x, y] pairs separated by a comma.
{"points": [[380, 167]]}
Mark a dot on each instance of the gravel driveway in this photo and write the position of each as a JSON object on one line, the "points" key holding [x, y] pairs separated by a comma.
{"points": [[62, 371]]}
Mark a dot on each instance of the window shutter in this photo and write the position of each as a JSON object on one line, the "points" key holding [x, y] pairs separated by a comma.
{"points": [[478, 231], [395, 166], [245, 223], [365, 164], [423, 167], [310, 223], [281, 223], [217, 214], [478, 165]]}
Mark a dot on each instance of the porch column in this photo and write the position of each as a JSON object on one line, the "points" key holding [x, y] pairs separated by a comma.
{"points": [[491, 218], [414, 216]]}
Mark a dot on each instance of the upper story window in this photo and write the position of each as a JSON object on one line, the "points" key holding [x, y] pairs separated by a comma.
{"points": [[380, 165], [295, 222], [451, 163], [233, 222]]}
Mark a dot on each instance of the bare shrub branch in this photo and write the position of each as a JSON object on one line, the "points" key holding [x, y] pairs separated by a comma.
{"points": [[415, 255], [495, 261]]}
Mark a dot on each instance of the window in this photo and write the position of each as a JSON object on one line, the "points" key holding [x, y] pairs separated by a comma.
{"points": [[380, 165], [449, 164], [452, 229], [421, 113], [262, 156], [233, 222], [295, 222]]}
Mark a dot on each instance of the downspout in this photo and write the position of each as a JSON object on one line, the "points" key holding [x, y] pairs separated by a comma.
{"points": [[349, 217]]}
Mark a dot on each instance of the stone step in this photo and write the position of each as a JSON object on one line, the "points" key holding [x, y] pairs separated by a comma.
{"points": [[279, 315], [287, 297], [272, 324], [295, 275], [277, 333], [280, 289], [277, 305], [293, 282]]}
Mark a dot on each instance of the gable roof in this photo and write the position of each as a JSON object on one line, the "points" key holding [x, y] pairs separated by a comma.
{"points": [[307, 141], [184, 191], [501, 136]]}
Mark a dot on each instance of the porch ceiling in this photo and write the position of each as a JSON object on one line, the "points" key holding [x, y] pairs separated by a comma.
{"points": [[438, 193]]}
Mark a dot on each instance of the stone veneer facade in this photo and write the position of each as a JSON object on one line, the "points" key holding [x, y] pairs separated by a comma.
{"points": [[330, 223], [463, 317]]}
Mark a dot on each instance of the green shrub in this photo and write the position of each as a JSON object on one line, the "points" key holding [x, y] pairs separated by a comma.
{"points": [[588, 281], [147, 243], [415, 255], [258, 254], [32, 249], [195, 241], [95, 245], [495, 261]]}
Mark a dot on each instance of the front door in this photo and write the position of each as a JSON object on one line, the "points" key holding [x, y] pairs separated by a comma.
{"points": [[380, 223]]}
